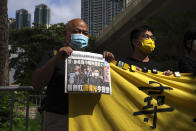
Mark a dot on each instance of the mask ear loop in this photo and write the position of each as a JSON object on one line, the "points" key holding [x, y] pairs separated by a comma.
{"points": [[138, 41]]}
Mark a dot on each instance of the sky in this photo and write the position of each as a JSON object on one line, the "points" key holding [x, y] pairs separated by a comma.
{"points": [[61, 10]]}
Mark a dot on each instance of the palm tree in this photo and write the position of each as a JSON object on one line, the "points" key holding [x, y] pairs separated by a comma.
{"points": [[4, 70]]}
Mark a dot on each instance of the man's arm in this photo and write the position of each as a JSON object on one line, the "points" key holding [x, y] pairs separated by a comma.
{"points": [[42, 75]]}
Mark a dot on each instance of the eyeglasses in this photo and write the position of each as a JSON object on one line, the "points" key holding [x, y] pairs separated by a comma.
{"points": [[145, 36]]}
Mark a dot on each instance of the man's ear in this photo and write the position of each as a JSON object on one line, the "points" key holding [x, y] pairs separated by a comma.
{"points": [[67, 37], [136, 43]]}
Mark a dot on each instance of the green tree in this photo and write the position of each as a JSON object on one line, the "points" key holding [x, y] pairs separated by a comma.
{"points": [[30, 44]]}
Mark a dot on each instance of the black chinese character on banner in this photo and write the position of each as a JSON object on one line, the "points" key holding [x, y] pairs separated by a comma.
{"points": [[160, 101]]}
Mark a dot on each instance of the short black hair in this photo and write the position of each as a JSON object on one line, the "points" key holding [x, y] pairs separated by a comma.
{"points": [[137, 31], [189, 35]]}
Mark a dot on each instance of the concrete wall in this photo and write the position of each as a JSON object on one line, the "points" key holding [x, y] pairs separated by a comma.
{"points": [[170, 23], [169, 19]]}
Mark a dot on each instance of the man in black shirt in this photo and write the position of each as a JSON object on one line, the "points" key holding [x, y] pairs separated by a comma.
{"points": [[187, 63], [95, 79], [141, 65], [143, 43], [78, 77], [51, 73]]}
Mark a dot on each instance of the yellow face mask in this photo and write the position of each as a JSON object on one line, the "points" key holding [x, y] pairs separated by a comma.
{"points": [[148, 46]]}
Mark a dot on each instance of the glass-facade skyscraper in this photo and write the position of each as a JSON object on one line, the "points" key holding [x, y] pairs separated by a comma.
{"points": [[23, 18], [99, 13], [42, 14]]}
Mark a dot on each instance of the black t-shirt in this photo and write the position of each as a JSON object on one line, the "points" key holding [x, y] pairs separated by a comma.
{"points": [[187, 65], [149, 65], [56, 100], [96, 81]]}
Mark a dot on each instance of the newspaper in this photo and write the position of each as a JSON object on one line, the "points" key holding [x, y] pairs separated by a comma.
{"points": [[87, 72]]}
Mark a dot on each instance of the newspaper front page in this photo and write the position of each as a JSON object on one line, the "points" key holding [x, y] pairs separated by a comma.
{"points": [[87, 72]]}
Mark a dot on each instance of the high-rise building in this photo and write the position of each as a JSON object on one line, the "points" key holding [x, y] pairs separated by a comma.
{"points": [[11, 23], [42, 14], [99, 13], [23, 18]]}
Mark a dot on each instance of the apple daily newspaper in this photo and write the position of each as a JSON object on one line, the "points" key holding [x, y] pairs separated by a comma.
{"points": [[87, 72]]}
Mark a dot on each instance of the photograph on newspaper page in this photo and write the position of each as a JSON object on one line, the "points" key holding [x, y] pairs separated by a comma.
{"points": [[87, 72]]}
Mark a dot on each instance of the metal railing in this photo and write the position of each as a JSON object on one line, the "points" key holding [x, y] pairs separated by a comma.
{"points": [[36, 99]]}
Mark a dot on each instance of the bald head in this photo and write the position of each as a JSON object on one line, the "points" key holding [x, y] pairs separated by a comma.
{"points": [[75, 22], [75, 26]]}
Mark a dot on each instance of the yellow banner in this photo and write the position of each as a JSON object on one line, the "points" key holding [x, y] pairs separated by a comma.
{"points": [[139, 102]]}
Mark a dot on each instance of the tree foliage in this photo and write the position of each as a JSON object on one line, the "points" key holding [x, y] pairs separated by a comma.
{"points": [[4, 109], [30, 44], [19, 112]]}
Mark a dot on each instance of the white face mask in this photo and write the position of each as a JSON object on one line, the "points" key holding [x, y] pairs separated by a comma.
{"points": [[96, 74], [194, 46], [77, 73]]}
